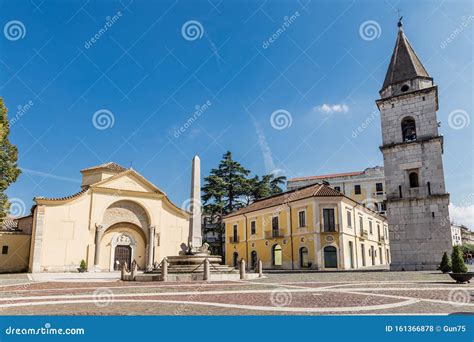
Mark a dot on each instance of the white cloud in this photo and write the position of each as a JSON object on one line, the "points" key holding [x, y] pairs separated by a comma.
{"points": [[462, 215], [334, 108]]}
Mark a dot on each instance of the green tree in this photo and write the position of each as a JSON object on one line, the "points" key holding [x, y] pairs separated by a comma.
{"points": [[223, 192], [9, 170], [445, 265], [457, 261], [228, 188]]}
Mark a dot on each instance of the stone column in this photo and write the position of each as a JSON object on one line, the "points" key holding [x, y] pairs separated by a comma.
{"points": [[260, 268], [207, 269], [164, 269], [99, 232], [195, 235], [151, 248], [242, 269]]}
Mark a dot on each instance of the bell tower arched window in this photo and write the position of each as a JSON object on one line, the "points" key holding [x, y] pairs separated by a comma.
{"points": [[408, 129]]}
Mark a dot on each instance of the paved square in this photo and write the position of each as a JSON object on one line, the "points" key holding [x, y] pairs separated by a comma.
{"points": [[356, 293]]}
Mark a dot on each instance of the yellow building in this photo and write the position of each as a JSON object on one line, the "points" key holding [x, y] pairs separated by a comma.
{"points": [[314, 227], [118, 216]]}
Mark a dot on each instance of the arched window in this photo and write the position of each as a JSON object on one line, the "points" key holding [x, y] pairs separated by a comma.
{"points": [[408, 129], [235, 259], [276, 255], [330, 257], [304, 259], [413, 180]]}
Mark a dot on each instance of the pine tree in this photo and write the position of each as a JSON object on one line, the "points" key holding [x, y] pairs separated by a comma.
{"points": [[457, 261], [445, 265], [9, 170], [227, 189]]}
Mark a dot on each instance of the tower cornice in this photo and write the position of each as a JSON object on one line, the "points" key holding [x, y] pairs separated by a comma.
{"points": [[407, 95]]}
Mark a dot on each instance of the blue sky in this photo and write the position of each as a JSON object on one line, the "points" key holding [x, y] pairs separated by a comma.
{"points": [[156, 61]]}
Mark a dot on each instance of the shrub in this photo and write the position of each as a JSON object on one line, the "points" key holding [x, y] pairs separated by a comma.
{"points": [[445, 265], [83, 265], [458, 265]]}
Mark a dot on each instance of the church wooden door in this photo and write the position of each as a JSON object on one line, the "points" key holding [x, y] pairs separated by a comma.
{"points": [[122, 254]]}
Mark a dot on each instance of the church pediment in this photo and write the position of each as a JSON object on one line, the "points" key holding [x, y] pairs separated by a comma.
{"points": [[129, 180]]}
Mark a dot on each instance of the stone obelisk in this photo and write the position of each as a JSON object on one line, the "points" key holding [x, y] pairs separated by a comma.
{"points": [[195, 235]]}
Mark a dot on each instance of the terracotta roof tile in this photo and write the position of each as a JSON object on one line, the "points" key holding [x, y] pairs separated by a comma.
{"points": [[315, 190], [9, 224], [108, 166]]}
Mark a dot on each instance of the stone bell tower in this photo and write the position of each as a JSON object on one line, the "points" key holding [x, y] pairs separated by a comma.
{"points": [[417, 201]]}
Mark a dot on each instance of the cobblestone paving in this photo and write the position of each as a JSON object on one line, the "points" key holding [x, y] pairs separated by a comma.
{"points": [[277, 294]]}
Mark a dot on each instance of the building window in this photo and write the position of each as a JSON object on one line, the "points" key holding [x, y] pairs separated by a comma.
{"points": [[408, 129], [349, 219], [361, 223], [302, 218], [370, 227], [330, 257], [253, 259], [379, 187], [413, 179], [253, 227], [276, 255], [329, 222], [362, 250], [337, 188], [357, 189], [304, 259], [351, 254], [383, 206], [275, 223], [428, 184], [5, 250]]}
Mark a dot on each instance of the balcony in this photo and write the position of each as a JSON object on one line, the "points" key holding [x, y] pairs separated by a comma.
{"points": [[329, 228], [364, 233], [234, 239], [379, 194], [275, 233], [382, 239]]}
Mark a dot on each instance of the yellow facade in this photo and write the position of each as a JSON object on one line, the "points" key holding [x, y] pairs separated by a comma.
{"points": [[15, 250], [308, 246]]}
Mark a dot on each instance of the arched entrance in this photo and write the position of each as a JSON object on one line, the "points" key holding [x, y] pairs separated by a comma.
{"points": [[330, 257], [253, 260], [304, 258], [277, 255], [235, 259], [123, 254]]}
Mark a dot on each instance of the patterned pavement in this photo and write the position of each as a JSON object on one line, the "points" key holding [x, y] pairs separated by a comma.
{"points": [[356, 293]]}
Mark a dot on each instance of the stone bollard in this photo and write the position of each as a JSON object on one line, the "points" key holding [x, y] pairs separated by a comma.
{"points": [[123, 271], [260, 268], [242, 269], [207, 270], [134, 270], [164, 269]]}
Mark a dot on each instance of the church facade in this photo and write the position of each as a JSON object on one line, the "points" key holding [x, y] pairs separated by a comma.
{"points": [[118, 216], [417, 201]]}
